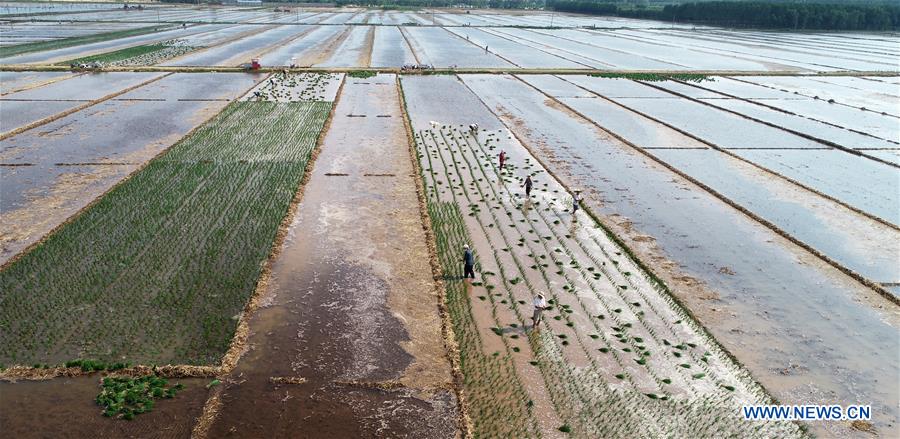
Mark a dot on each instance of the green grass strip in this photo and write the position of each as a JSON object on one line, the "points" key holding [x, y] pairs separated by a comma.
{"points": [[117, 55], [19, 49], [158, 269]]}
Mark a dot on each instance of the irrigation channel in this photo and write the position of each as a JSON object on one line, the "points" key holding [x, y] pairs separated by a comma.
{"points": [[286, 245]]}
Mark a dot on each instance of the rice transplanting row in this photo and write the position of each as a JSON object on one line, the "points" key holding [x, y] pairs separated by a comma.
{"points": [[617, 356], [159, 269]]}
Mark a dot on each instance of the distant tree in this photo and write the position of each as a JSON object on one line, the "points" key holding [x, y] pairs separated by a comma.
{"points": [[773, 14]]}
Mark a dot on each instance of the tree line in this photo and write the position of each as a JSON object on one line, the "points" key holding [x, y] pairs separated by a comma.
{"points": [[757, 14]]}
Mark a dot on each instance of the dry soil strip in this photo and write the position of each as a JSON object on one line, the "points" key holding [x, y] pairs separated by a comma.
{"points": [[49, 119], [863, 280]]}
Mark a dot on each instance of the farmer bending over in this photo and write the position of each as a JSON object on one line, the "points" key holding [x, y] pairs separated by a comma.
{"points": [[468, 262], [540, 303]]}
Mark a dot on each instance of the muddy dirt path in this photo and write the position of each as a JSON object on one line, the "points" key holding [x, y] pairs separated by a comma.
{"points": [[347, 341]]}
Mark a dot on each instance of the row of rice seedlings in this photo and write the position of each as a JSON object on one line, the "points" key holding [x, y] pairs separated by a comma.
{"points": [[492, 390], [569, 391], [639, 316], [497, 401], [574, 387], [558, 395], [159, 268], [559, 238], [143, 55], [634, 344]]}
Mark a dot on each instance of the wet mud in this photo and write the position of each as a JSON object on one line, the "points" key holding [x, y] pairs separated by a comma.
{"points": [[65, 408], [346, 341]]}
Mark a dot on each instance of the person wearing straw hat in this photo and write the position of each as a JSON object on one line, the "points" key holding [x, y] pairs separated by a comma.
{"points": [[468, 262], [540, 303]]}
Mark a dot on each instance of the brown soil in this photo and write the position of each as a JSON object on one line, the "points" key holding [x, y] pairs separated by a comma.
{"points": [[65, 407], [347, 339]]}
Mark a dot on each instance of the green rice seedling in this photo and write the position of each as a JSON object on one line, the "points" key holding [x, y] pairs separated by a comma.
{"points": [[126, 397]]}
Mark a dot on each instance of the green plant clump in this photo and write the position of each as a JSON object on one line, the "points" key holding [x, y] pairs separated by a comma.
{"points": [[126, 397], [362, 74]]}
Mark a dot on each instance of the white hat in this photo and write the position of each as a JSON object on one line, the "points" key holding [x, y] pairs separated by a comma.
{"points": [[540, 294], [466, 246]]}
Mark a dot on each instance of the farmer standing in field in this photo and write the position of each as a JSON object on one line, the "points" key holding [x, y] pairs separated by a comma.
{"points": [[502, 159], [528, 185], [540, 303], [468, 263], [575, 200]]}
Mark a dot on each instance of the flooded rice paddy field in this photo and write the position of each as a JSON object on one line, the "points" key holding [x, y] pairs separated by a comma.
{"points": [[738, 242], [165, 32], [741, 279], [611, 334], [52, 171], [18, 33], [362, 38]]}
